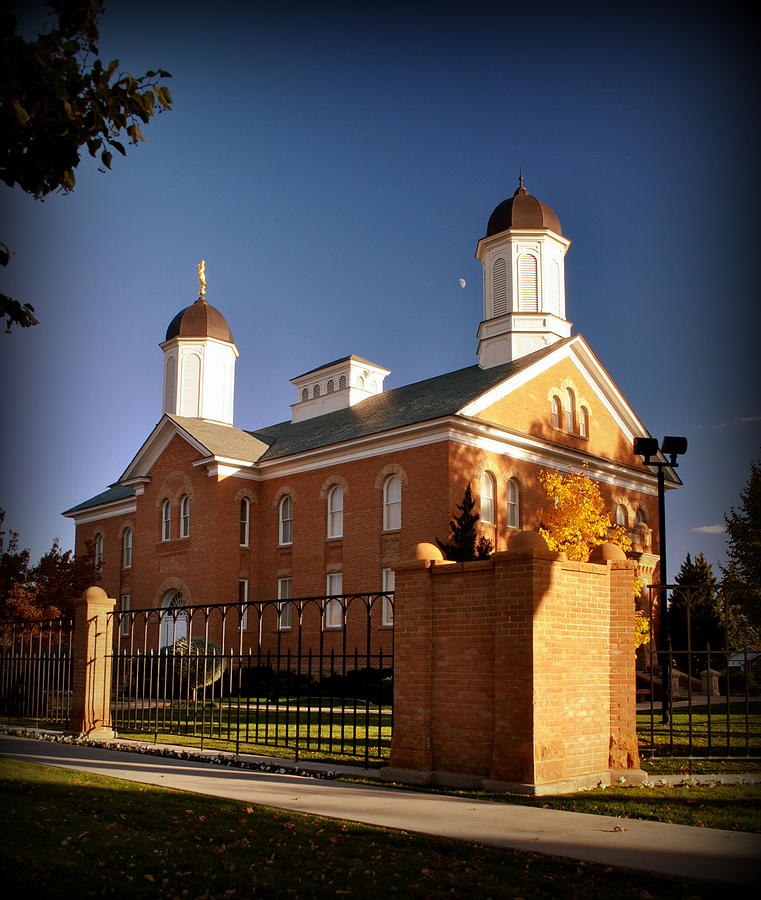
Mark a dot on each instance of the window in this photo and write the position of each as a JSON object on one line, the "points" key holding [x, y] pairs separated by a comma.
{"points": [[124, 616], [392, 503], [570, 412], [98, 550], [243, 601], [388, 577], [185, 516], [305, 394], [513, 504], [360, 382], [487, 499], [333, 608], [245, 520], [284, 609], [640, 518], [166, 520], [528, 295], [499, 287], [331, 385], [127, 548], [285, 520], [584, 422], [557, 412], [341, 382], [174, 618], [336, 512], [622, 517], [316, 391]]}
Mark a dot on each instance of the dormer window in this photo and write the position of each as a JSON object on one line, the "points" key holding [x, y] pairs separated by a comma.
{"points": [[341, 382], [331, 385], [316, 391]]}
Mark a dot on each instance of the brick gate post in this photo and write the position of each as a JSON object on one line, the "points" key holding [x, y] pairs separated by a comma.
{"points": [[91, 681]]}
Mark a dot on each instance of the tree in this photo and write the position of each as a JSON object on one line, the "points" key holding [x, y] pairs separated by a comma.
{"points": [[464, 544], [744, 546], [575, 519], [698, 603], [44, 591], [57, 98]]}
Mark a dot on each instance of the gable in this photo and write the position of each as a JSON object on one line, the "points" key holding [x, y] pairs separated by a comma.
{"points": [[523, 403]]}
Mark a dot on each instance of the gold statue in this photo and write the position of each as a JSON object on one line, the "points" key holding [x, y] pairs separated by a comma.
{"points": [[202, 279]]}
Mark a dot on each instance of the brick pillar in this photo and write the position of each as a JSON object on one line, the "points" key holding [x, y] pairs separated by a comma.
{"points": [[624, 753], [91, 682], [413, 632]]}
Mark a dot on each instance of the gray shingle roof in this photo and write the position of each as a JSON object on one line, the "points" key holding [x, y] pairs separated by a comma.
{"points": [[222, 440], [117, 492]]}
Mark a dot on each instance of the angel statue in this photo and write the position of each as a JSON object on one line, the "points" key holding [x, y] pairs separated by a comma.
{"points": [[202, 279]]}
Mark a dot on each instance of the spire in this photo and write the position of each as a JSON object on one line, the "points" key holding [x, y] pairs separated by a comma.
{"points": [[201, 267]]}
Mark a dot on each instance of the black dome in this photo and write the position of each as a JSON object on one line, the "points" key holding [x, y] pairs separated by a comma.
{"points": [[522, 210]]}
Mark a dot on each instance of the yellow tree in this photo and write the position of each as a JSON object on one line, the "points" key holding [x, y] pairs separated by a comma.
{"points": [[575, 520]]}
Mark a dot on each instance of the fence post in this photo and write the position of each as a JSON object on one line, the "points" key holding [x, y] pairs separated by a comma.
{"points": [[91, 679]]}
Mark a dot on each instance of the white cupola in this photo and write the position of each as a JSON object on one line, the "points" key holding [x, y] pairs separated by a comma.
{"points": [[199, 363], [336, 385], [524, 280]]}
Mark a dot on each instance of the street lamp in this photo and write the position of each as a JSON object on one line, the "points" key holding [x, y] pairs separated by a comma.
{"points": [[647, 448]]}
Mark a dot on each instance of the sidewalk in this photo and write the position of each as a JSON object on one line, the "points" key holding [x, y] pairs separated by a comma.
{"points": [[685, 852]]}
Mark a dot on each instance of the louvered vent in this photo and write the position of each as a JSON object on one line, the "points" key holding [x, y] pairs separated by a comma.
{"points": [[499, 287], [191, 385], [528, 296], [553, 300], [170, 386]]}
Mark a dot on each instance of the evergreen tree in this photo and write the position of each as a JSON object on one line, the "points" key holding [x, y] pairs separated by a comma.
{"points": [[699, 602], [744, 546], [464, 544]]}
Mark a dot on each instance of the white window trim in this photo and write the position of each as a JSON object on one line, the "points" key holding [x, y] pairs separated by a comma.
{"points": [[333, 586], [513, 520], [243, 600], [185, 516], [124, 618], [392, 509], [244, 530], [166, 521], [488, 517], [127, 548], [98, 544], [284, 610], [283, 523], [388, 581], [335, 514]]}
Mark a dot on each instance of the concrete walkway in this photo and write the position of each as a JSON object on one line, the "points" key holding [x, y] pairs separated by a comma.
{"points": [[703, 853]]}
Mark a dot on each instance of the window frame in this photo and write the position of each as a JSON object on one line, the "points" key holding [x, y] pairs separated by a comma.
{"points": [[556, 412], [285, 522], [570, 411], [244, 530], [127, 548], [284, 609], [333, 608], [335, 525], [621, 515], [125, 606], [388, 584], [513, 504], [392, 506], [98, 544], [243, 602], [166, 521], [583, 422], [185, 516], [488, 498]]}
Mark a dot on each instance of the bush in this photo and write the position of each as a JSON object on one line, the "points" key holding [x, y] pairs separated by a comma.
{"points": [[176, 671], [271, 684]]}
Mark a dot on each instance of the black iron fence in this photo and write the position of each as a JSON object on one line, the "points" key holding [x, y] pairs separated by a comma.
{"points": [[699, 692], [35, 672], [309, 675]]}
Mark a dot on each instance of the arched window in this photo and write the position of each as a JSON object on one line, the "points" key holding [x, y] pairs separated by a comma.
{"points": [[584, 422], [392, 503], [622, 517], [191, 385], [166, 520], [341, 382], [285, 520], [333, 608], [185, 516], [174, 618], [557, 412], [316, 391], [513, 504], [528, 292], [304, 394], [360, 382], [499, 287], [336, 512], [127, 548], [245, 520], [640, 517], [487, 498], [570, 411], [97, 546], [331, 385]]}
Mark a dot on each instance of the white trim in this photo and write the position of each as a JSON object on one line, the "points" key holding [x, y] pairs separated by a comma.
{"points": [[102, 511]]}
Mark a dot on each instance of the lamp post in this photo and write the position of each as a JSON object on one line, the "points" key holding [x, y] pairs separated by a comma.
{"points": [[647, 448]]}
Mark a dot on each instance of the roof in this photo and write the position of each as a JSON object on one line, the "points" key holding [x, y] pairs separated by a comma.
{"points": [[222, 440], [430, 399], [522, 210], [116, 492], [335, 362], [199, 320]]}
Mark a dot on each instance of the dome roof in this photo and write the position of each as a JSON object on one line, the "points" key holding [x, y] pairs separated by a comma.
{"points": [[522, 211], [198, 321]]}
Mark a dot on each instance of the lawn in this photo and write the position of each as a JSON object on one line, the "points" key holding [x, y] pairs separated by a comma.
{"points": [[70, 833]]}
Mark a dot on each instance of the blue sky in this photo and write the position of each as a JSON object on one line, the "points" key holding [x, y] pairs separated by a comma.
{"points": [[336, 170]]}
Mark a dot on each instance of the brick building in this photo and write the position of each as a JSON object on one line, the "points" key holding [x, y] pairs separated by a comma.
{"points": [[330, 501]]}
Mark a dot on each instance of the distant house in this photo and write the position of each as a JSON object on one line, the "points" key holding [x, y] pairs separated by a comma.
{"points": [[748, 657], [332, 499]]}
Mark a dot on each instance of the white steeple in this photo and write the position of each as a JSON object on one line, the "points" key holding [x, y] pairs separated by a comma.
{"points": [[199, 362], [524, 280]]}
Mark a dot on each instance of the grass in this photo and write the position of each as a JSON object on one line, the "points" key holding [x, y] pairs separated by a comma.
{"points": [[75, 833]]}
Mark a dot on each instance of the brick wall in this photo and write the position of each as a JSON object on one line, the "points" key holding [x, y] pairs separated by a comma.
{"points": [[518, 671]]}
